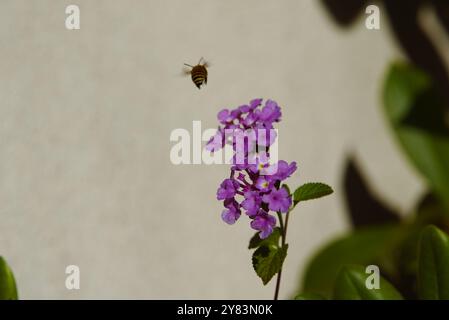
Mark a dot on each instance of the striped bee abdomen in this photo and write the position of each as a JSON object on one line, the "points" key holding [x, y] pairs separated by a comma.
{"points": [[199, 75]]}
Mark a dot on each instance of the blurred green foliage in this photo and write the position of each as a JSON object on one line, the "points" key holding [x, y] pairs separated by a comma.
{"points": [[418, 117], [412, 256], [433, 259], [350, 282], [8, 290], [351, 285]]}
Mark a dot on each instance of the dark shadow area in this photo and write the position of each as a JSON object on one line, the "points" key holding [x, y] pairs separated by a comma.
{"points": [[363, 207], [403, 19], [345, 11], [442, 10], [429, 119]]}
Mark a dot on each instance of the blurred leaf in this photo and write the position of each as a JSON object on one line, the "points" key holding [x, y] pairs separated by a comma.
{"points": [[351, 285], [433, 269], [8, 290], [273, 239], [428, 211], [417, 115], [311, 190], [309, 296], [362, 246], [363, 206], [268, 260], [406, 256]]}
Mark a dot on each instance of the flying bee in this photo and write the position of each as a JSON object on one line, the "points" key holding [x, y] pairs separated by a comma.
{"points": [[198, 73]]}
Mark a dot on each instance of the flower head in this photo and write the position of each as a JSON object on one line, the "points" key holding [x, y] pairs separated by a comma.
{"points": [[254, 182]]}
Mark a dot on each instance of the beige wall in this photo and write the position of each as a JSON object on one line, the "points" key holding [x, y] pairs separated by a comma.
{"points": [[85, 119]]}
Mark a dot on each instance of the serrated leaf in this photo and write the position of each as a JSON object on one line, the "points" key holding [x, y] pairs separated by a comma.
{"points": [[273, 239], [351, 285], [268, 260], [8, 290], [433, 264], [311, 190]]}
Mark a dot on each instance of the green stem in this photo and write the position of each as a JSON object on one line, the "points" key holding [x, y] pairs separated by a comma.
{"points": [[281, 222], [283, 236], [278, 284]]}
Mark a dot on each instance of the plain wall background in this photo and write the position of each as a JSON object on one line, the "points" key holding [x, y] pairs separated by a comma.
{"points": [[85, 120]]}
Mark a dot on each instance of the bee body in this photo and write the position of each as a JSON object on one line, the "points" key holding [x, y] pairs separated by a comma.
{"points": [[198, 73]]}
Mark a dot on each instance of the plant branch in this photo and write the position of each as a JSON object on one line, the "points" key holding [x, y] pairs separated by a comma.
{"points": [[283, 236]]}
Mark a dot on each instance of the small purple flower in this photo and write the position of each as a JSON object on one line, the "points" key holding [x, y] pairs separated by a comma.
{"points": [[260, 163], [278, 200], [250, 119], [236, 162], [228, 189], [251, 203], [284, 170], [244, 108], [257, 162], [270, 113], [216, 142], [224, 116], [232, 212], [265, 136], [244, 141], [235, 114], [264, 223], [263, 183], [253, 104]]}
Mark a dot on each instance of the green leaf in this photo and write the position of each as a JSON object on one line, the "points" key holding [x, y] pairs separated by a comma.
{"points": [[309, 296], [417, 115], [351, 284], [269, 256], [8, 290], [428, 211], [268, 260], [433, 264], [273, 239], [362, 246], [311, 190]]}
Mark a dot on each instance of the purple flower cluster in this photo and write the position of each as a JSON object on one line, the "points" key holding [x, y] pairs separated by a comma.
{"points": [[254, 183]]}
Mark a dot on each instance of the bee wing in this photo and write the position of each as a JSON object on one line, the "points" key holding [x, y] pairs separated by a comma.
{"points": [[207, 64], [185, 71], [204, 62]]}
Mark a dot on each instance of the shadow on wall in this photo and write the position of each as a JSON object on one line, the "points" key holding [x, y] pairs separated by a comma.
{"points": [[415, 102], [403, 19]]}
